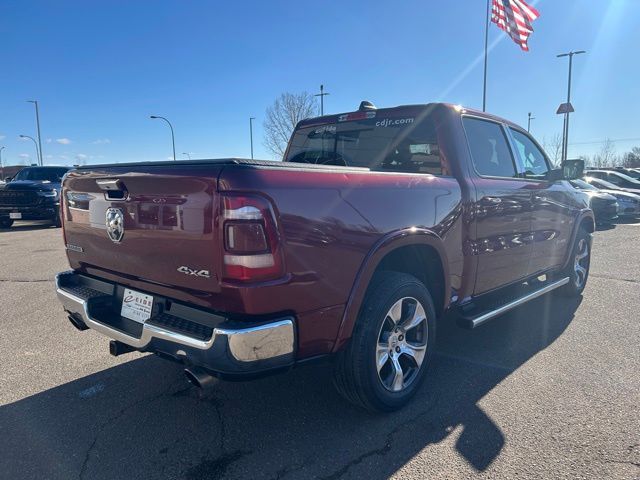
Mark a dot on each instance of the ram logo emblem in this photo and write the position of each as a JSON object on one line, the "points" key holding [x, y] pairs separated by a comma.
{"points": [[115, 224]]}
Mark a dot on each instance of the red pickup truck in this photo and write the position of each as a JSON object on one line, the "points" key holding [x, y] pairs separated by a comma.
{"points": [[377, 223]]}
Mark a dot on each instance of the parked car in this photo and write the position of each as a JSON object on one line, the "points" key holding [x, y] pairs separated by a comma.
{"points": [[378, 222], [33, 194], [617, 178], [628, 203], [631, 172], [604, 206], [605, 185]]}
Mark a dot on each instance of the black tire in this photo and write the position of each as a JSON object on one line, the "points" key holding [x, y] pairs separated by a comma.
{"points": [[577, 277], [356, 375], [57, 222], [5, 222]]}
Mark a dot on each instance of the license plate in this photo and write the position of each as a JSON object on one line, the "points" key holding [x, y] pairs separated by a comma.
{"points": [[136, 306], [15, 215]]}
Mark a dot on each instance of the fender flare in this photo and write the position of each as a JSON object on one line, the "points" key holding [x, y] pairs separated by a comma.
{"points": [[384, 246], [584, 214]]}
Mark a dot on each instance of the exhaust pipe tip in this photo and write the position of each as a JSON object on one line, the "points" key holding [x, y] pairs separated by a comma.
{"points": [[199, 378], [118, 348], [77, 322]]}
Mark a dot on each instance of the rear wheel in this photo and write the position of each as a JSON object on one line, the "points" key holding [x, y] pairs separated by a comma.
{"points": [[578, 268], [6, 222], [391, 346]]}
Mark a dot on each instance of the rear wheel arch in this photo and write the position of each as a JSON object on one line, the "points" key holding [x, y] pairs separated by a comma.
{"points": [[417, 252]]}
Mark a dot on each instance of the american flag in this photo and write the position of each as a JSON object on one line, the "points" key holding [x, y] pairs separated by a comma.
{"points": [[514, 17]]}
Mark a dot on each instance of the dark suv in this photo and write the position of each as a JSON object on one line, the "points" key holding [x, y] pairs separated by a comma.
{"points": [[33, 194]]}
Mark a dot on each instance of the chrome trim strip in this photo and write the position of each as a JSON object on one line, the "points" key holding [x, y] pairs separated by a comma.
{"points": [[516, 303], [245, 345], [261, 342]]}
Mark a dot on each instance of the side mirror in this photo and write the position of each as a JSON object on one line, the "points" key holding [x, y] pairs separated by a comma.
{"points": [[7, 179], [572, 169]]}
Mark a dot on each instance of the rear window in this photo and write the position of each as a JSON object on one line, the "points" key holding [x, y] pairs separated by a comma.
{"points": [[401, 144]]}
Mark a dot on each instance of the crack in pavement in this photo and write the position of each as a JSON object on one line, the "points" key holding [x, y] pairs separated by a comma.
{"points": [[114, 418], [283, 472], [211, 468], [377, 451], [609, 277], [623, 462]]}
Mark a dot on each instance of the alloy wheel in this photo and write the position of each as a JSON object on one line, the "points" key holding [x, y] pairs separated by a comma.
{"points": [[402, 344], [581, 262]]}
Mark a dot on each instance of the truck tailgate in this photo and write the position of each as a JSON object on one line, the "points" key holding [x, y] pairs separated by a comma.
{"points": [[167, 215]]}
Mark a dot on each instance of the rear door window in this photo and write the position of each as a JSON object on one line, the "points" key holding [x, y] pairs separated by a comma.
{"points": [[489, 148]]}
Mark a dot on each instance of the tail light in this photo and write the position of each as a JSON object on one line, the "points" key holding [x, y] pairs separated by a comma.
{"points": [[251, 243]]}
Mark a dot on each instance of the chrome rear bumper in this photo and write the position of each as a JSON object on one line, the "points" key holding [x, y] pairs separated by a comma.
{"points": [[189, 335]]}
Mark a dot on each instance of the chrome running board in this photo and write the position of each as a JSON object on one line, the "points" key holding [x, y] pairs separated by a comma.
{"points": [[473, 322]]}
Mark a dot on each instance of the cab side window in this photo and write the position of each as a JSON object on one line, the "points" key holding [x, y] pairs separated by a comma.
{"points": [[533, 160], [489, 148]]}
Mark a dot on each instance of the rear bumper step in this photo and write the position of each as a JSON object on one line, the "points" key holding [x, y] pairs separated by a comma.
{"points": [[473, 321], [191, 336]]}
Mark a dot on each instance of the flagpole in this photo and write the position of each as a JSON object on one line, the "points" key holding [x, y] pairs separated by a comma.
{"points": [[486, 54]]}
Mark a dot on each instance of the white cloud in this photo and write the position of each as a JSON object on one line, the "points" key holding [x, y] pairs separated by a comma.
{"points": [[81, 156], [2, 137], [24, 155], [63, 157], [101, 141], [63, 141], [49, 140]]}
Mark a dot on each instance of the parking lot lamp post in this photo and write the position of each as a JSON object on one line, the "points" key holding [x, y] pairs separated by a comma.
{"points": [[565, 133], [187, 154], [35, 144], [529, 122], [35, 102], [1, 166], [251, 119], [173, 140]]}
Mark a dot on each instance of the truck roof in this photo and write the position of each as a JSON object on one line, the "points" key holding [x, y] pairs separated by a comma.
{"points": [[400, 110]]}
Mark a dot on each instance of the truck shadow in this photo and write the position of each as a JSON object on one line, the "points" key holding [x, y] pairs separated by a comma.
{"points": [[141, 420], [25, 226]]}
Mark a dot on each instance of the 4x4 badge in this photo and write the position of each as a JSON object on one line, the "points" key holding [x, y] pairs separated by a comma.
{"points": [[115, 224]]}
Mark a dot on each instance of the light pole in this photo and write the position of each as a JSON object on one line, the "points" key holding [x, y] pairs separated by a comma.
{"points": [[35, 102], [529, 122], [322, 94], [173, 140], [187, 154], [33, 140], [251, 119], [1, 166], [565, 133]]}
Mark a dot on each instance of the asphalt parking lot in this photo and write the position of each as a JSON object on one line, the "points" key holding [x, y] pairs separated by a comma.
{"points": [[550, 390]]}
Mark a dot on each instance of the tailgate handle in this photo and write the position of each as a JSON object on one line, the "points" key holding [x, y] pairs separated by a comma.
{"points": [[114, 188]]}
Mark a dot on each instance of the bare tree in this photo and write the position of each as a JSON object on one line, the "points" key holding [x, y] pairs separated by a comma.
{"points": [[282, 117], [632, 159], [606, 157], [553, 147]]}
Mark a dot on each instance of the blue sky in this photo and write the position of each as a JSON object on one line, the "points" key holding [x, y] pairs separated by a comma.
{"points": [[100, 68]]}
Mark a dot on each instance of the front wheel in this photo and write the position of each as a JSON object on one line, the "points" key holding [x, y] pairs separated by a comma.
{"points": [[391, 345], [579, 263]]}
